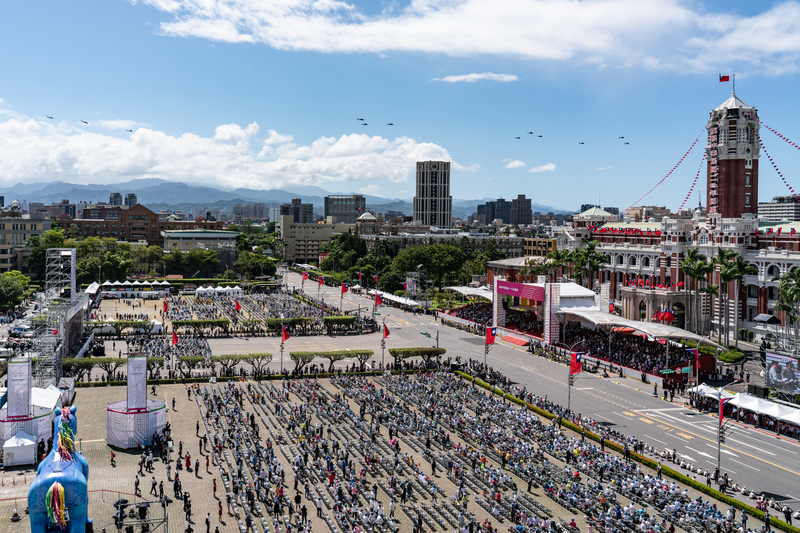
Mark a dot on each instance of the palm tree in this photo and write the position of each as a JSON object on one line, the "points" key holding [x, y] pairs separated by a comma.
{"points": [[741, 269], [727, 273], [558, 259], [691, 266], [713, 291], [702, 271], [789, 298]]}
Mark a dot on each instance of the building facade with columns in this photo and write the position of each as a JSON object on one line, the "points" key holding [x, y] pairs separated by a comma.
{"points": [[645, 257]]}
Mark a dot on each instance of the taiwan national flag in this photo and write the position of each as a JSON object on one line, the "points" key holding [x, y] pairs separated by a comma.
{"points": [[174, 338], [696, 353], [345, 286], [284, 334], [791, 233], [375, 277], [404, 286], [378, 299], [724, 78], [491, 333], [237, 306], [321, 280], [575, 365], [55, 331], [165, 306], [305, 276], [359, 276], [611, 308], [722, 402], [385, 331], [779, 230]]}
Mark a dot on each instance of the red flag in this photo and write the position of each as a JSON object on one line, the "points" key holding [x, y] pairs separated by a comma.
{"points": [[359, 276], [780, 229], [610, 308], [575, 365], [305, 276], [724, 78], [321, 279], [284, 334], [404, 286], [344, 287], [165, 306], [375, 277], [491, 333], [174, 338], [385, 331], [55, 331], [237, 306], [378, 299]]}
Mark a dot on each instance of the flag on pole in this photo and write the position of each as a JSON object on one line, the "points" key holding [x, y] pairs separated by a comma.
{"points": [[385, 331], [359, 276], [321, 280], [404, 286], [284, 334], [165, 305], [375, 277], [305, 276], [611, 308], [724, 78], [345, 286], [378, 299], [722, 402], [237, 306], [575, 365], [174, 338], [55, 331], [491, 333]]}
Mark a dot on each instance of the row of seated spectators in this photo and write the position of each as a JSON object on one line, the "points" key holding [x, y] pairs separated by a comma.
{"points": [[632, 351], [481, 313]]}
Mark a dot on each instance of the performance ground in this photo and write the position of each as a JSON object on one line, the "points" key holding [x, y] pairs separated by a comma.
{"points": [[440, 514]]}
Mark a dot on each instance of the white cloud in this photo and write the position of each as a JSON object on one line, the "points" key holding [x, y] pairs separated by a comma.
{"points": [[549, 167], [604, 168], [40, 150], [514, 163], [373, 189], [117, 124], [472, 78], [654, 34]]}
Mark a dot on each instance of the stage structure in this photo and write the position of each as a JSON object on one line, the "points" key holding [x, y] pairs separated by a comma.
{"points": [[134, 421], [55, 302], [28, 410]]}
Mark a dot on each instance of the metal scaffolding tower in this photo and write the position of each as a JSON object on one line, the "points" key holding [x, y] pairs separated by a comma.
{"points": [[59, 295]]}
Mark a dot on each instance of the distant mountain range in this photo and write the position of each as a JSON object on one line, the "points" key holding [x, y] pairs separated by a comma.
{"points": [[158, 194]]}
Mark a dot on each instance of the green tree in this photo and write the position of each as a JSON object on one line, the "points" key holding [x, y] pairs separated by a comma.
{"points": [[23, 279], [199, 259], [88, 247], [87, 270], [174, 260], [12, 291], [36, 260], [53, 238], [116, 266]]}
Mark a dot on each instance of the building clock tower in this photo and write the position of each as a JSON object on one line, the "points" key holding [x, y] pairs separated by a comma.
{"points": [[732, 152]]}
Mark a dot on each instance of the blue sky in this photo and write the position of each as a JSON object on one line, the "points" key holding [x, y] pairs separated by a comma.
{"points": [[261, 94]]}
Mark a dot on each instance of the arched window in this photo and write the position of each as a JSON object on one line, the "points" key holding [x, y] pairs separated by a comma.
{"points": [[772, 293], [773, 271], [646, 262], [619, 260], [632, 261]]}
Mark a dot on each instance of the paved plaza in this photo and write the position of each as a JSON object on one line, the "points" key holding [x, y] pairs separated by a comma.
{"points": [[320, 423]]}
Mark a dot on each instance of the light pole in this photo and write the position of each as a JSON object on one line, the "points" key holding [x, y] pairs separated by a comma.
{"points": [[383, 346]]}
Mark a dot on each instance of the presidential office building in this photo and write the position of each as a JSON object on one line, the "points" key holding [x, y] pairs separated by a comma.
{"points": [[644, 257]]}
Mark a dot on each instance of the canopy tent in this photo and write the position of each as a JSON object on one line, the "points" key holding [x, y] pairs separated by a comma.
{"points": [[126, 283], [136, 283], [107, 283], [472, 292], [652, 329], [765, 318], [707, 391], [93, 288], [766, 407], [397, 299], [356, 286], [19, 450]]}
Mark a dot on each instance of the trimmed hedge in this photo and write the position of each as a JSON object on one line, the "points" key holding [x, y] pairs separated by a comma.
{"points": [[339, 320], [665, 470], [731, 357]]}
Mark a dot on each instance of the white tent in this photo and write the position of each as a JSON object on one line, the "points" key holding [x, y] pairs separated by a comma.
{"points": [[219, 289], [136, 284], [107, 283], [126, 283], [707, 391], [237, 289], [19, 450], [145, 282]]}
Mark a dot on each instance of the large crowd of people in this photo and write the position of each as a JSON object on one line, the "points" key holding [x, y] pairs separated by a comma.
{"points": [[631, 351]]}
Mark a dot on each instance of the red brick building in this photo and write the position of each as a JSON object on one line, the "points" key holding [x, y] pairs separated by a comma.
{"points": [[132, 225]]}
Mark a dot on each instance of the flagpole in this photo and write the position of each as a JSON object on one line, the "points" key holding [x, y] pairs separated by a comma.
{"points": [[383, 346]]}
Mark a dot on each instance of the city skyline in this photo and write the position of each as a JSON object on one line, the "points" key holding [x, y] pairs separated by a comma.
{"points": [[210, 101]]}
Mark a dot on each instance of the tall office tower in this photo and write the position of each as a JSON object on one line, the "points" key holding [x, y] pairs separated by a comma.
{"points": [[115, 199], [345, 207], [433, 205], [130, 199], [521, 213]]}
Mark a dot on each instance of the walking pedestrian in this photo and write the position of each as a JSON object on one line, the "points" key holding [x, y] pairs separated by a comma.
{"points": [[154, 487], [215, 487], [208, 522], [136, 486], [219, 510], [113, 459], [207, 463], [161, 490]]}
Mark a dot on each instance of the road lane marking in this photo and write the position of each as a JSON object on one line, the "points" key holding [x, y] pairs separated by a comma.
{"points": [[748, 466], [620, 414], [655, 439], [751, 446], [603, 417]]}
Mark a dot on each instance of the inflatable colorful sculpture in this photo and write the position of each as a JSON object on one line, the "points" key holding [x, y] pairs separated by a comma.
{"points": [[58, 499]]}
